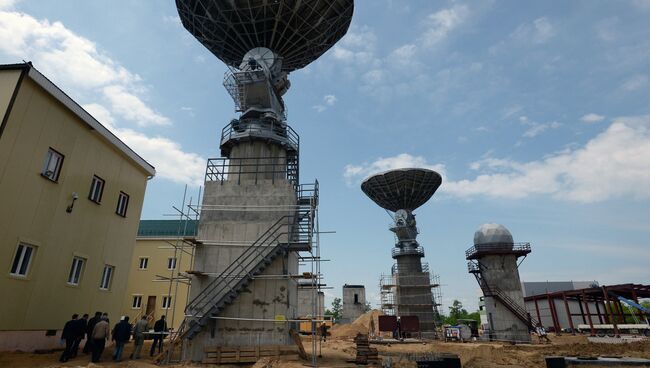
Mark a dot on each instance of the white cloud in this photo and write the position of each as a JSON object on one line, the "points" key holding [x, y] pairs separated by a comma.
{"points": [[536, 129], [607, 29], [613, 164], [167, 156], [641, 4], [101, 114], [172, 19], [76, 64], [592, 118], [356, 173], [8, 4], [441, 23], [199, 59], [635, 82], [330, 100], [539, 31], [357, 46], [131, 107]]}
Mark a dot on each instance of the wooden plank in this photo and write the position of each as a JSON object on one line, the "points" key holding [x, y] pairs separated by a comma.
{"points": [[301, 349]]}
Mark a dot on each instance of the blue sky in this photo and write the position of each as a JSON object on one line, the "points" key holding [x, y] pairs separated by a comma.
{"points": [[538, 117]]}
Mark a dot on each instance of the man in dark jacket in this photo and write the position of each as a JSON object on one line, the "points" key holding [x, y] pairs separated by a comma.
{"points": [[89, 332], [79, 332], [121, 335], [68, 335], [159, 329]]}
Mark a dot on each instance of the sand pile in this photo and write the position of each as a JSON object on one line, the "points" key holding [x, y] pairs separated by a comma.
{"points": [[360, 325]]}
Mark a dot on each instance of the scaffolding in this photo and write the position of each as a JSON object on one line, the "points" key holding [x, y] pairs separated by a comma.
{"points": [[392, 300], [303, 238]]}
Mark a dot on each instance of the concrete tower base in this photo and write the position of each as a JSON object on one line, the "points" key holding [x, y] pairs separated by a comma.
{"points": [[501, 271], [235, 213], [414, 297]]}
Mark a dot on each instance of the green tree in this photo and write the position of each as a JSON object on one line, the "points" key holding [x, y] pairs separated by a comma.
{"points": [[336, 309], [456, 312], [367, 307]]}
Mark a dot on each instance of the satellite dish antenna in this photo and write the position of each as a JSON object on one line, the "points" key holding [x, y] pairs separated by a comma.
{"points": [[262, 41]]}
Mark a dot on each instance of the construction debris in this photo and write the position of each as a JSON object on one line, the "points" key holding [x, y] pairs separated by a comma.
{"points": [[365, 354]]}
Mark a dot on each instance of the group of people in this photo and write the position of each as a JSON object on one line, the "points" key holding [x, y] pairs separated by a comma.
{"points": [[97, 332]]}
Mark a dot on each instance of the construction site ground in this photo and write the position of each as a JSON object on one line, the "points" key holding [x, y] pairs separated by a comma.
{"points": [[340, 348]]}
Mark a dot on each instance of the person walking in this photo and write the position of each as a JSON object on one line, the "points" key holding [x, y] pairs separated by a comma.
{"points": [[323, 331], [121, 335], [138, 336], [79, 332], [69, 336], [100, 335], [159, 329], [541, 333], [89, 332]]}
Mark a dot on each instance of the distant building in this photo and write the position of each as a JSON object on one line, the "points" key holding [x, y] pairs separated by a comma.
{"points": [[306, 297], [71, 195], [157, 260], [354, 302], [545, 313]]}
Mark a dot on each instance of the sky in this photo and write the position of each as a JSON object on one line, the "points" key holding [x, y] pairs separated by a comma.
{"points": [[536, 116]]}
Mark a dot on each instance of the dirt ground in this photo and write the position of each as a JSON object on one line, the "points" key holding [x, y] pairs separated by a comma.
{"points": [[340, 348]]}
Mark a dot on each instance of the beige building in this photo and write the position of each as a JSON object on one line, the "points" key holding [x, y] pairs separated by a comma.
{"points": [[163, 253], [71, 195]]}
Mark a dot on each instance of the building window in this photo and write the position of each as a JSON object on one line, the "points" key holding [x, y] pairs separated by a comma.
{"points": [[122, 204], [96, 189], [22, 260], [137, 302], [171, 263], [166, 302], [144, 263], [75, 271], [52, 165], [107, 277]]}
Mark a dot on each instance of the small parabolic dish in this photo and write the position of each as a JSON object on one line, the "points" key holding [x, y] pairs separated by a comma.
{"points": [[299, 31], [402, 189]]}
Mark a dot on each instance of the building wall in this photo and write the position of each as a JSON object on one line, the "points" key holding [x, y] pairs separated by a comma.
{"points": [[305, 302], [544, 287], [143, 282], [352, 310], [562, 315], [33, 211]]}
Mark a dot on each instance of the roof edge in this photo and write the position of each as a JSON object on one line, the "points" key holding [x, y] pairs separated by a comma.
{"points": [[73, 106]]}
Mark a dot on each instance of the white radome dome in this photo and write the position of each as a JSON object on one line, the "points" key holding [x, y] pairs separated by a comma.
{"points": [[492, 234]]}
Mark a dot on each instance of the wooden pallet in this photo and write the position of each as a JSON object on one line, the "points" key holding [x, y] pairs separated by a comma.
{"points": [[245, 354]]}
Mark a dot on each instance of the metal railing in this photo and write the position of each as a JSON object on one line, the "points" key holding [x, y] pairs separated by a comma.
{"points": [[473, 267], [396, 251], [252, 169], [272, 129], [295, 228], [395, 269], [242, 269], [497, 248], [518, 310]]}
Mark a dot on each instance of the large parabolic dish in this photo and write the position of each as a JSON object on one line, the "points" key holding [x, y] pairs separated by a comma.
{"points": [[402, 189], [299, 31]]}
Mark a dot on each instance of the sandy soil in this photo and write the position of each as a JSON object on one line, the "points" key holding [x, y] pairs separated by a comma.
{"points": [[340, 348]]}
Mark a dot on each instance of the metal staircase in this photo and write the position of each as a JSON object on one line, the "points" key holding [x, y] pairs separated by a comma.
{"points": [[293, 232], [492, 291]]}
